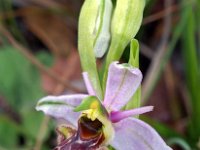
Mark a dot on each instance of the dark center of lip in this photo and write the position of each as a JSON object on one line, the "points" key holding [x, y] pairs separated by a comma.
{"points": [[89, 136], [88, 128]]}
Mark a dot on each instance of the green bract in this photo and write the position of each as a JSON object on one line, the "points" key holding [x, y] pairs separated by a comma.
{"points": [[134, 61]]}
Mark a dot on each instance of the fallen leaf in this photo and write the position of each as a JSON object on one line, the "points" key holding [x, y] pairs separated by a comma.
{"points": [[53, 31]]}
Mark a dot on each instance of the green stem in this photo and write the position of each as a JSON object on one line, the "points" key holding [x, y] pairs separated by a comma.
{"points": [[88, 64]]}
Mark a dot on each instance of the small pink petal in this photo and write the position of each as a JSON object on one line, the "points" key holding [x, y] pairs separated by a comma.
{"points": [[88, 84], [119, 115], [122, 83], [134, 134], [61, 106]]}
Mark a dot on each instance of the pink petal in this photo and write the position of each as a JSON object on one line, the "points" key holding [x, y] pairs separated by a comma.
{"points": [[134, 134], [61, 106], [119, 115], [88, 84], [122, 83]]}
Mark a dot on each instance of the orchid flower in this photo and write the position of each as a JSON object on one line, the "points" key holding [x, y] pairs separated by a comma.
{"points": [[98, 123]]}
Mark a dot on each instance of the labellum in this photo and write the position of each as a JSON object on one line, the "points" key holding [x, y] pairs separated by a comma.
{"points": [[89, 136]]}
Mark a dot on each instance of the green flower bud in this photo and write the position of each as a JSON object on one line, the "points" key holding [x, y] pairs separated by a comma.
{"points": [[94, 25], [102, 28], [126, 21], [127, 18]]}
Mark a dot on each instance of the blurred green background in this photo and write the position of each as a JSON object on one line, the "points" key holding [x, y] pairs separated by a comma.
{"points": [[38, 57]]}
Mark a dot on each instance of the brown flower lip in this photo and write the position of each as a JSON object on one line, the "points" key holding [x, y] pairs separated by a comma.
{"points": [[89, 136]]}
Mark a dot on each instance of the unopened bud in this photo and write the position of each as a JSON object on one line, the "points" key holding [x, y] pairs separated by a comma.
{"points": [[126, 22], [94, 24]]}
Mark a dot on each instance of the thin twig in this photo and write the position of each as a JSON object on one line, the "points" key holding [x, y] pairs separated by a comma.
{"points": [[35, 61], [161, 14]]}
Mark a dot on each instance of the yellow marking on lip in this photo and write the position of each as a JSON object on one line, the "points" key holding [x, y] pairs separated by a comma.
{"points": [[94, 105]]}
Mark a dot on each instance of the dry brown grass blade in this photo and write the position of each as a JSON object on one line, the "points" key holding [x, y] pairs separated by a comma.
{"points": [[178, 105], [171, 86], [161, 14], [150, 78], [44, 3]]}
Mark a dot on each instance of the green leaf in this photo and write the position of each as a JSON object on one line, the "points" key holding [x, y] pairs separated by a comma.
{"points": [[31, 124], [192, 70], [19, 80], [134, 53], [134, 61], [9, 132], [180, 142], [20, 86]]}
